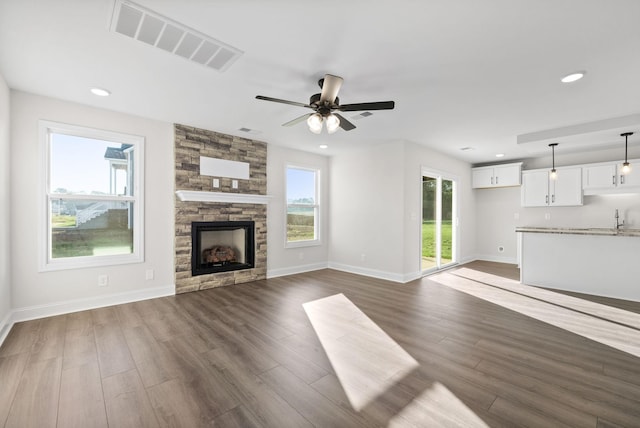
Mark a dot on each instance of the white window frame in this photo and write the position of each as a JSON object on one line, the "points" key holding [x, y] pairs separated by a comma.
{"points": [[46, 262], [316, 214]]}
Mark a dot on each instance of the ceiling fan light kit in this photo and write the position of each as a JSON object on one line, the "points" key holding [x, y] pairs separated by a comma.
{"points": [[315, 123], [324, 104]]}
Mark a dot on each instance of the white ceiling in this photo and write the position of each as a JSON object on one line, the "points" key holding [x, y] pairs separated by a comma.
{"points": [[474, 73]]}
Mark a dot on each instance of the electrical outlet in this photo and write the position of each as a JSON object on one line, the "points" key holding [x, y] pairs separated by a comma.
{"points": [[547, 216], [234, 184], [363, 257], [148, 275], [516, 216], [501, 249], [301, 255], [216, 182], [103, 280]]}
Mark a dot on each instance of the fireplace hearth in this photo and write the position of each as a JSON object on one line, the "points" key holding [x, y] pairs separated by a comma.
{"points": [[222, 246]]}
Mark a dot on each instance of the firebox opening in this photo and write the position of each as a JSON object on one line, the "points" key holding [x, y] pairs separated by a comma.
{"points": [[222, 246]]}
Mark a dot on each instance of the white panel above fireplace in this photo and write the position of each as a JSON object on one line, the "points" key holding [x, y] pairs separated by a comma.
{"points": [[223, 168]]}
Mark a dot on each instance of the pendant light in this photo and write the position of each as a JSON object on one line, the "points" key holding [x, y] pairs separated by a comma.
{"points": [[553, 175], [626, 166]]}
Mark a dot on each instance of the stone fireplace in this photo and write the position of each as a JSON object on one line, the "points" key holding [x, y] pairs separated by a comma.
{"points": [[233, 203]]}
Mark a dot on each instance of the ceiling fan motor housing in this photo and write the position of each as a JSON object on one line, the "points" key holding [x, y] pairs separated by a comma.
{"points": [[324, 108]]}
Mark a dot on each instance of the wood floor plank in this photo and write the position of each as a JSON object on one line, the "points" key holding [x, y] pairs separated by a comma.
{"points": [[177, 404], [128, 315], [81, 400], [113, 352], [238, 417], [36, 401], [105, 315], [79, 320], [154, 365], [208, 383], [316, 408], [126, 401], [295, 363], [269, 408], [79, 346], [21, 338], [11, 369]]}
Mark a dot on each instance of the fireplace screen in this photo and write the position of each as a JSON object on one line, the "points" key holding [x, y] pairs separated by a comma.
{"points": [[222, 246]]}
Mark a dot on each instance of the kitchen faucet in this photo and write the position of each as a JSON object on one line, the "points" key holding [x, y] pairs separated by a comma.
{"points": [[618, 224]]}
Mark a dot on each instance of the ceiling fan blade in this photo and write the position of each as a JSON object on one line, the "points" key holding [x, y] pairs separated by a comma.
{"points": [[297, 120], [330, 87], [380, 105], [344, 123], [278, 100]]}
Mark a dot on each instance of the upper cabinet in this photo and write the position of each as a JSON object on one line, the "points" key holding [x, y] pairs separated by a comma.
{"points": [[496, 175], [539, 190], [608, 178]]}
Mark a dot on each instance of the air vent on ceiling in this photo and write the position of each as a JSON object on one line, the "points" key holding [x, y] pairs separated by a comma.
{"points": [[147, 26], [249, 130], [362, 115]]}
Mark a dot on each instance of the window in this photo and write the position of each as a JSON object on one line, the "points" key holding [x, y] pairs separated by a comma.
{"points": [[302, 207], [92, 203]]}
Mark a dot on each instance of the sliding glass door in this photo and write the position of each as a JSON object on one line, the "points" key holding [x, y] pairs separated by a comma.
{"points": [[438, 221]]}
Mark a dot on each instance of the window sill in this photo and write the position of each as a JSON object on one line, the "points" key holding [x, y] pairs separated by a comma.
{"points": [[300, 244]]}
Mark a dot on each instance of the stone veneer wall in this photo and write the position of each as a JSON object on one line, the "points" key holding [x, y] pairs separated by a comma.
{"points": [[190, 144]]}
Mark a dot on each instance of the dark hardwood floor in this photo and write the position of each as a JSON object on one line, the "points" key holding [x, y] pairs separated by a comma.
{"points": [[380, 354]]}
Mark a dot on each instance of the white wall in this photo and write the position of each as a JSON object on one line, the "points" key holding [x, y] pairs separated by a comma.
{"points": [[281, 260], [41, 293], [367, 211], [5, 223]]}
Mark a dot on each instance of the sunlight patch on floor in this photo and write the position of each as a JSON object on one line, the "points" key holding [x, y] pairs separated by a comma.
{"points": [[368, 363], [594, 321], [436, 406], [366, 360]]}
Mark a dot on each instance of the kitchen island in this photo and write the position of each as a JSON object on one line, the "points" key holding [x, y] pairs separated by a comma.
{"points": [[598, 261]]}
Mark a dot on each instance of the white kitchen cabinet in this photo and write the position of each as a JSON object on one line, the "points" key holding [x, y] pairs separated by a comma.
{"points": [[601, 176], [539, 190], [607, 177], [633, 178], [496, 175]]}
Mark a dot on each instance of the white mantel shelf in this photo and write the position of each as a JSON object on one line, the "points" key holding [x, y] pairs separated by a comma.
{"points": [[230, 198]]}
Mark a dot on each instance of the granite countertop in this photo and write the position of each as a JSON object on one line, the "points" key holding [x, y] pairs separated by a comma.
{"points": [[582, 231]]}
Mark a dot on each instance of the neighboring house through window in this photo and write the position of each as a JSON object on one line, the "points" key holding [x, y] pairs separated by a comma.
{"points": [[93, 199], [303, 207]]}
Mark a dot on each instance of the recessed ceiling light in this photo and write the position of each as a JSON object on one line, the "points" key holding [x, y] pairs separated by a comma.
{"points": [[573, 77], [100, 92], [499, 155], [323, 146]]}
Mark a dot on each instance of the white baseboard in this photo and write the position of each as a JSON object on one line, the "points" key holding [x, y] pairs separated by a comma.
{"points": [[498, 259], [274, 273], [389, 276], [5, 327], [59, 308]]}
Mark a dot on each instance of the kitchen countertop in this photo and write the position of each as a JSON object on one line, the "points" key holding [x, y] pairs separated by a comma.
{"points": [[581, 231]]}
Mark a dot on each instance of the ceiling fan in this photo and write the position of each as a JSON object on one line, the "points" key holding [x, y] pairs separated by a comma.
{"points": [[325, 103]]}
